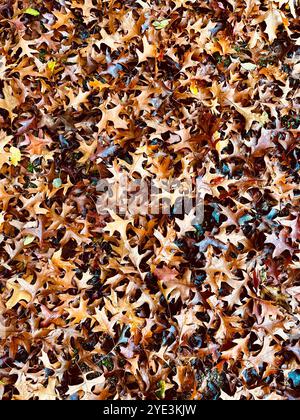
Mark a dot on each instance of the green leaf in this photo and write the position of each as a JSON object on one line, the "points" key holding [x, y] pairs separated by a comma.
{"points": [[108, 363], [30, 168], [57, 183], [161, 24], [263, 275], [28, 240], [32, 12], [161, 392]]}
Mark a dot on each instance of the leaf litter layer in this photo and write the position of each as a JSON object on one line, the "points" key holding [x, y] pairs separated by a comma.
{"points": [[97, 306]]}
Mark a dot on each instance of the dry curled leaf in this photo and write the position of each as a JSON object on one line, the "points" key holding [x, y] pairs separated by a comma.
{"points": [[192, 106]]}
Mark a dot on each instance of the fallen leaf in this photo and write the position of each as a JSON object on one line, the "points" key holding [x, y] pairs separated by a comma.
{"points": [[15, 156], [32, 12], [162, 24]]}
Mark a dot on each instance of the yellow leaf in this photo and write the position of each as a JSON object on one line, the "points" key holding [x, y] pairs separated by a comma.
{"points": [[51, 65], [221, 145], [216, 135], [96, 84], [194, 89], [15, 155]]}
